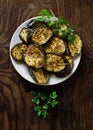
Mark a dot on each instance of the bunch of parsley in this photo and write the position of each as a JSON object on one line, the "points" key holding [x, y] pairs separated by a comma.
{"points": [[44, 102], [56, 23]]}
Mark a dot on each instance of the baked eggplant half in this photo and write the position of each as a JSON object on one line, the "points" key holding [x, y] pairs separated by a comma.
{"points": [[56, 45], [25, 35], [75, 46], [33, 24], [40, 75], [18, 50], [54, 63], [41, 35], [34, 56]]}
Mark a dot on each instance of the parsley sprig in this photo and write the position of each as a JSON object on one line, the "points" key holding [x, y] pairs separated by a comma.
{"points": [[56, 23], [44, 102]]}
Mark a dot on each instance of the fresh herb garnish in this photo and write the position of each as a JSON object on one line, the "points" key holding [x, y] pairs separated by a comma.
{"points": [[44, 102], [57, 24], [45, 12]]}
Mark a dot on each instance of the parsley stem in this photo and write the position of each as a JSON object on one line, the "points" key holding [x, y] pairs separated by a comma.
{"points": [[52, 13]]}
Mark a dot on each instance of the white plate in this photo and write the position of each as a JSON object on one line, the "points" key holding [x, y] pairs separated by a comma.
{"points": [[23, 70]]}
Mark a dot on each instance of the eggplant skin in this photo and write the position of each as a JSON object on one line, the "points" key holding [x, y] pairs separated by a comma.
{"points": [[18, 50], [41, 35], [40, 75], [64, 72], [34, 24], [34, 56], [54, 63], [25, 35], [75, 46], [56, 45]]}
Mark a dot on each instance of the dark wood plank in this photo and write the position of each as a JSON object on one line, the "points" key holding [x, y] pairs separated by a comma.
{"points": [[75, 95]]}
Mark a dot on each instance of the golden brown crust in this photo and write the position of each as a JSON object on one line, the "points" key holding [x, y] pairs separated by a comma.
{"points": [[56, 45], [54, 63], [75, 46], [40, 75], [34, 56], [18, 50], [41, 35]]}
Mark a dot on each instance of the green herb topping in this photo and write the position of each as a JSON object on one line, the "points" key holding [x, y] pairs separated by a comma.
{"points": [[60, 26]]}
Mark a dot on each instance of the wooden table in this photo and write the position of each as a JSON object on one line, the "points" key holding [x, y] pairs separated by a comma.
{"points": [[75, 95]]}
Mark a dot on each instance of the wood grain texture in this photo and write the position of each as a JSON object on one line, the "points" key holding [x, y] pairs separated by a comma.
{"points": [[75, 95]]}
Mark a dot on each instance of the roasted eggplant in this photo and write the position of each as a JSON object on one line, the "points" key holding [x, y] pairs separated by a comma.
{"points": [[54, 63], [68, 67], [33, 24], [56, 45], [34, 56], [25, 35], [41, 35], [75, 46], [58, 65], [18, 50], [40, 75], [70, 60]]}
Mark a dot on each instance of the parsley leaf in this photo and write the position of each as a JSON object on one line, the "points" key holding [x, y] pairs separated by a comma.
{"points": [[62, 20], [44, 114], [45, 12], [71, 37], [53, 95]]}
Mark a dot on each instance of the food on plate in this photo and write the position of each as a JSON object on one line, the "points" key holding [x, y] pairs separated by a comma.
{"points": [[58, 65], [65, 71], [63, 28], [33, 24], [75, 46], [54, 63], [34, 56], [18, 50], [40, 75], [25, 35], [70, 60], [49, 46], [41, 35], [56, 45]]}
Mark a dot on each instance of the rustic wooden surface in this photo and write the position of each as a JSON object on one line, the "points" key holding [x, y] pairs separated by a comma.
{"points": [[75, 95]]}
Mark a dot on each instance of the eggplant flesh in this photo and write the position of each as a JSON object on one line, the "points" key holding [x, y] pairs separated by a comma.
{"points": [[56, 45], [18, 50], [25, 35], [40, 75], [34, 56], [41, 35], [75, 46], [54, 63]]}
